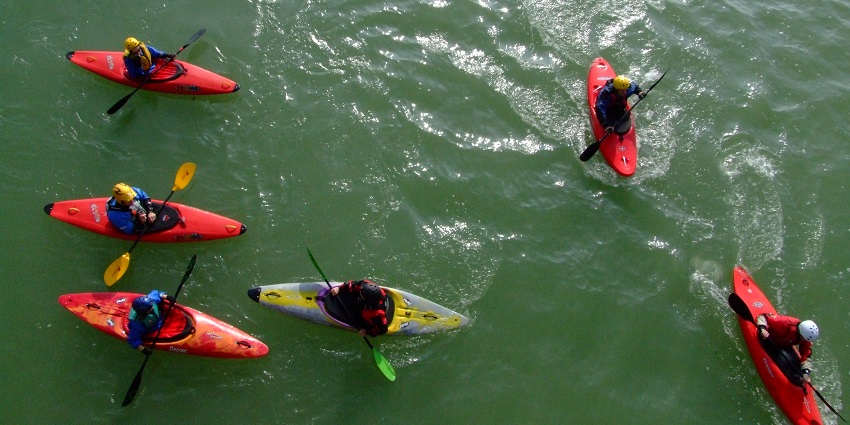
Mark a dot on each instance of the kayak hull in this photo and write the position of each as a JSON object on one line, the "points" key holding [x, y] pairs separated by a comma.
{"points": [[798, 405], [619, 151], [193, 81], [409, 315], [210, 337], [191, 224]]}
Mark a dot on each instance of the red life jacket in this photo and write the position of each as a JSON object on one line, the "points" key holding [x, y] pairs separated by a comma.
{"points": [[375, 315], [370, 314], [783, 331]]}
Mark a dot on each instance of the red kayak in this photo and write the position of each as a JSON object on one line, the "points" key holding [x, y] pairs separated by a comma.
{"points": [[620, 151], [175, 223], [177, 77], [186, 330], [795, 400]]}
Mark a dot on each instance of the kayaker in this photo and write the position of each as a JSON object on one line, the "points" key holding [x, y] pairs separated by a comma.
{"points": [[787, 331], [139, 59], [146, 318], [129, 208], [371, 304], [613, 101]]}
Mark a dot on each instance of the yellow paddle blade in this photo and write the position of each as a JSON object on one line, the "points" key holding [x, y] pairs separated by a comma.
{"points": [[184, 175], [116, 269]]}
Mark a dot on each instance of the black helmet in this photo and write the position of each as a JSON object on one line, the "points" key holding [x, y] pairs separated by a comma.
{"points": [[370, 291]]}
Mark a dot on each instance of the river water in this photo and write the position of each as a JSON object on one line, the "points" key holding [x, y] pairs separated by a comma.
{"points": [[433, 147]]}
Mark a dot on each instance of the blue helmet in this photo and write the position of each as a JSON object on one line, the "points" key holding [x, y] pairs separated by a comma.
{"points": [[143, 304]]}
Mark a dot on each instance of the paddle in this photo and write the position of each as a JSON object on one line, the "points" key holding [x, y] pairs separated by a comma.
{"points": [[740, 308], [591, 150], [137, 381], [382, 362], [124, 99], [119, 266]]}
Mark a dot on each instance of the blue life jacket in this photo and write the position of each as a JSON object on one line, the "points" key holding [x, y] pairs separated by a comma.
{"points": [[125, 218]]}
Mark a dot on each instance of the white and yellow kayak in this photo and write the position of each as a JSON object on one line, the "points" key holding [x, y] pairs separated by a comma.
{"points": [[407, 314]]}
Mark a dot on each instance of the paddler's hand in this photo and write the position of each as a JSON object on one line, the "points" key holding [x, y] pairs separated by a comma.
{"points": [[146, 350], [152, 216], [806, 377], [763, 333], [362, 332], [609, 130], [641, 95], [334, 290]]}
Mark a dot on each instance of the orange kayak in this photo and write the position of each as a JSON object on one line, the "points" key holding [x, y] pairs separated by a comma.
{"points": [[186, 330]]}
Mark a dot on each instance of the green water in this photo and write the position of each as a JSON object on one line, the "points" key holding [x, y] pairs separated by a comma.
{"points": [[433, 146]]}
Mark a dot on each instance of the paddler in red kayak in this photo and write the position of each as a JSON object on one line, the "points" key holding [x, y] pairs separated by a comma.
{"points": [[613, 101], [371, 304], [129, 208], [146, 318], [139, 59], [787, 331]]}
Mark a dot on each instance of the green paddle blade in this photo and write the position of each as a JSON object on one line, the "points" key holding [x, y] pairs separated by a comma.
{"points": [[384, 365]]}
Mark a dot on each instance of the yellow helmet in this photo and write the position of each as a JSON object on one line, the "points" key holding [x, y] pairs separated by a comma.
{"points": [[123, 193], [130, 43], [621, 82]]}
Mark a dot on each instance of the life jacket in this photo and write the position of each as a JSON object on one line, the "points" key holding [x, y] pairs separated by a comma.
{"points": [[144, 60], [135, 208], [150, 319], [371, 311], [783, 331], [374, 314]]}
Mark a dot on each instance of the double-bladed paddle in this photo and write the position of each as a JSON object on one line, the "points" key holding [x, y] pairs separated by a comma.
{"points": [[740, 308], [382, 362], [591, 150], [124, 99], [119, 266], [137, 381]]}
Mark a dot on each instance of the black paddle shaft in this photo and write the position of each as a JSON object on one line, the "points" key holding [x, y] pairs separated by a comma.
{"points": [[149, 224], [319, 269], [137, 381]]}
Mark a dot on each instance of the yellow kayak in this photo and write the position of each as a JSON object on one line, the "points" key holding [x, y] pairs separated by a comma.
{"points": [[407, 314]]}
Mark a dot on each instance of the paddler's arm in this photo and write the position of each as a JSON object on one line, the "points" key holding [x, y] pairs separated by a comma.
{"points": [[761, 324], [638, 91], [806, 364], [347, 286], [134, 337], [147, 203]]}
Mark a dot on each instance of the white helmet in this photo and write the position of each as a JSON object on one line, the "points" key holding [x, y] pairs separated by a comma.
{"points": [[808, 330]]}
